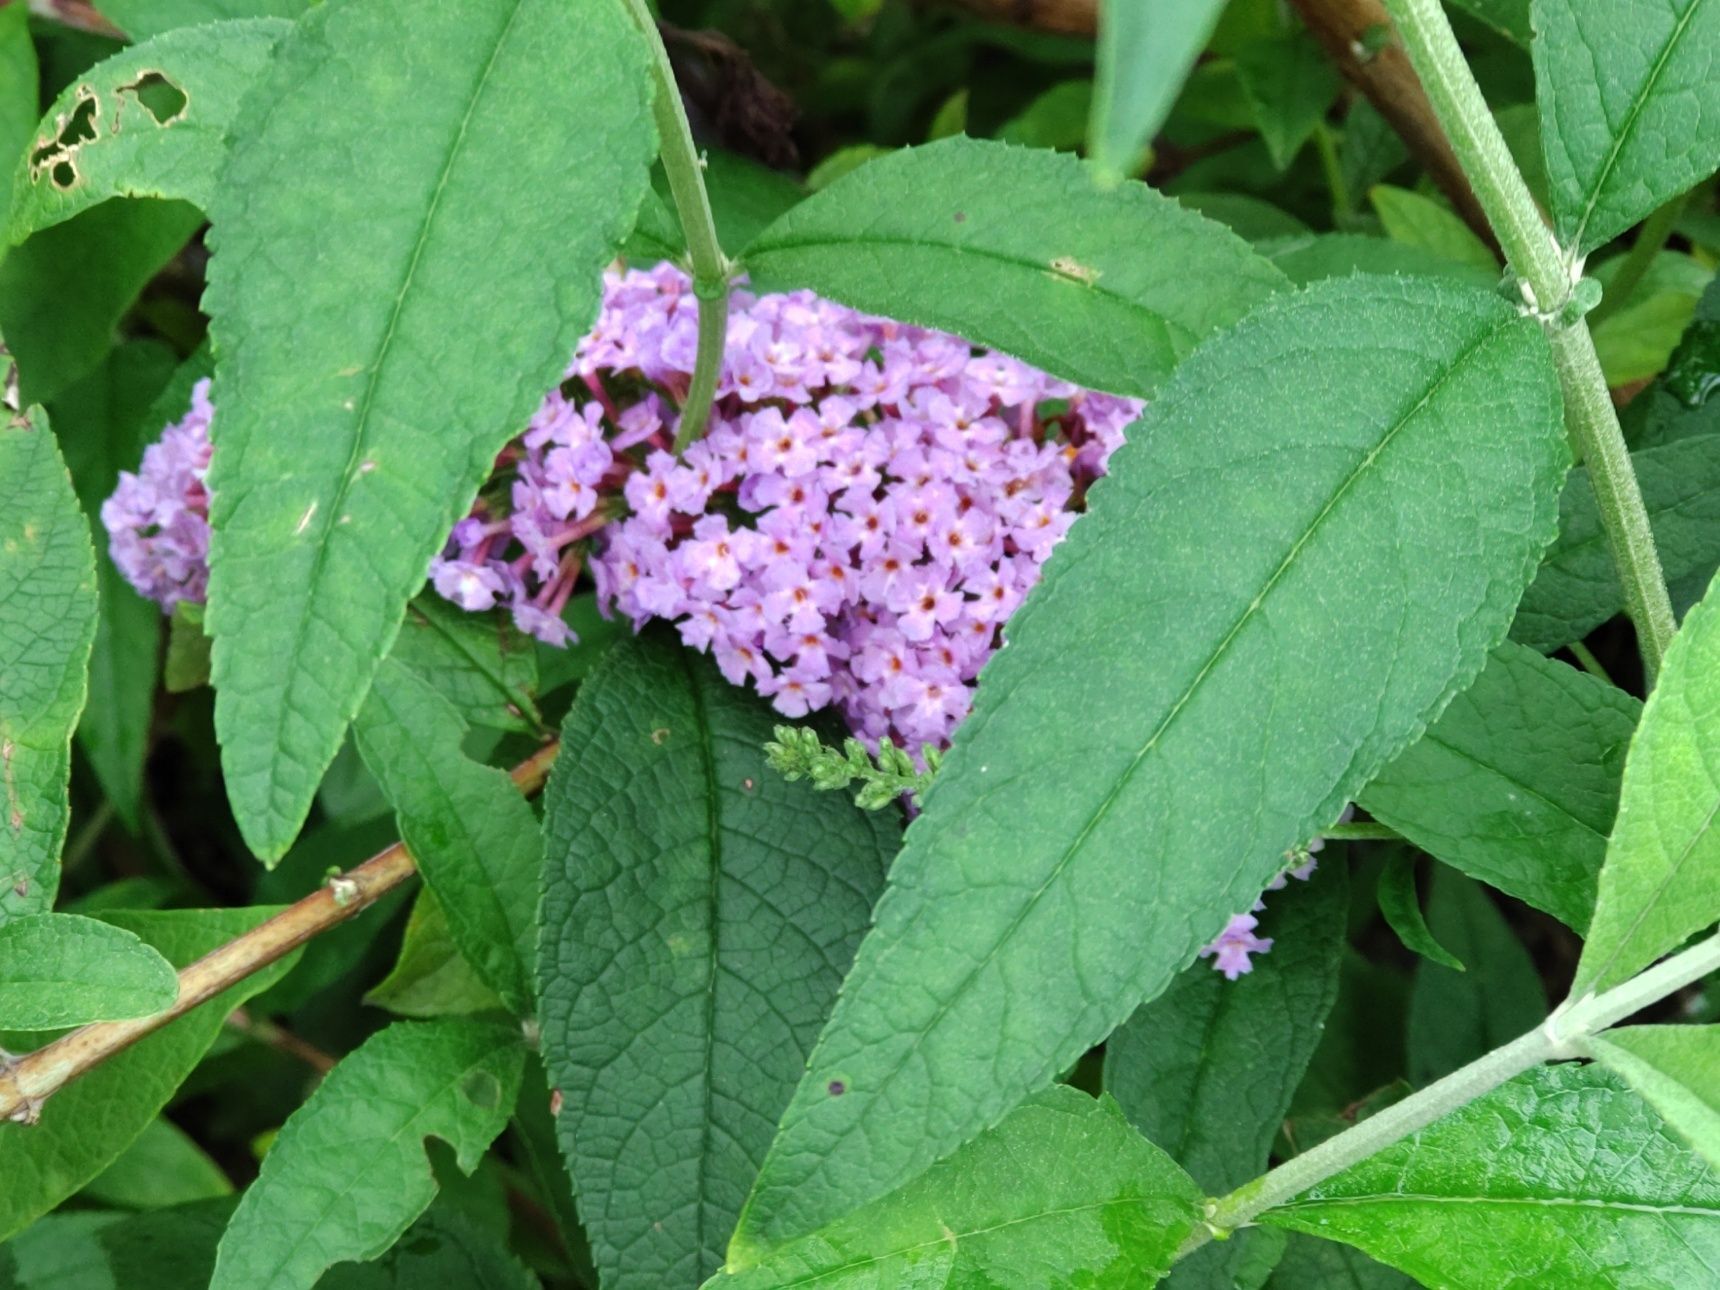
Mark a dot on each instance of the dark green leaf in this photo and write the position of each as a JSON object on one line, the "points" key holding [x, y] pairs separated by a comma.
{"points": [[1561, 1177], [444, 1250], [1310, 1264], [1313, 256], [1402, 909], [388, 313], [167, 1249], [61, 970], [431, 978], [1290, 83], [698, 915], [18, 91], [1061, 1193], [1377, 453], [347, 1174], [1019, 249], [1677, 1069], [164, 1167], [1510, 18], [1145, 53], [485, 668]]}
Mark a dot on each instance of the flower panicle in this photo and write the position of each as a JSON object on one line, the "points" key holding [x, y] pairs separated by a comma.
{"points": [[887, 776]]}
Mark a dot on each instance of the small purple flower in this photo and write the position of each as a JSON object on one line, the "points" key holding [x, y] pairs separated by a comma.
{"points": [[1230, 951]]}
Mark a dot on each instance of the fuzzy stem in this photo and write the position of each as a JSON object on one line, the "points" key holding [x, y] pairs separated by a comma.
{"points": [[711, 268], [1548, 278], [26, 1082], [1563, 1036]]}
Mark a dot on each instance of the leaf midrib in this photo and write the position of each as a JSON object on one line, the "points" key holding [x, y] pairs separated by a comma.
{"points": [[1394, 1198], [714, 836]]}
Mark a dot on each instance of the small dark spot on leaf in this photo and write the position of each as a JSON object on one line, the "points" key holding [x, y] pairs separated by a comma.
{"points": [[160, 97], [961, 217], [836, 1088], [482, 1089], [660, 735]]}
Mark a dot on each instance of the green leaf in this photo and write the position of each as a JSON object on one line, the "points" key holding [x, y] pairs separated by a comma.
{"points": [[431, 978], [1510, 18], [1055, 119], [1628, 105], [1145, 53], [186, 666], [1310, 257], [90, 1122], [698, 915], [474, 837], [48, 588], [143, 19], [1455, 1017], [164, 1167], [348, 1174], [18, 94], [1289, 83], [149, 122], [1517, 784], [166, 1249], [1310, 1264], [1637, 341], [1661, 879], [1423, 223], [1009, 1210], [1019, 249], [1401, 907], [1381, 454], [445, 1249], [369, 374], [1248, 217], [1674, 1068], [1577, 588], [477, 662], [102, 426], [61, 970], [1559, 1178], [63, 292]]}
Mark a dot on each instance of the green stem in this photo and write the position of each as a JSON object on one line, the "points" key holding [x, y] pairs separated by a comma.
{"points": [[1564, 1036], [1592, 665], [686, 172], [1343, 206], [1650, 241], [1365, 831], [1548, 278]]}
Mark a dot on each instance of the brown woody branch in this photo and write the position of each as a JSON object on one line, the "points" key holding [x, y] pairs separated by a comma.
{"points": [[1070, 17], [27, 1082]]}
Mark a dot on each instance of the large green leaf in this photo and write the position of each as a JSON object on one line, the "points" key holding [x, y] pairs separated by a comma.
{"points": [[1577, 588], [1018, 248], [1377, 453], [348, 1173], [388, 311], [1677, 1069], [1517, 784], [149, 122], [48, 590], [1145, 53], [699, 912], [1310, 1264], [90, 1122], [1561, 1177], [67, 970], [1062, 1193], [170, 1249], [142, 19], [482, 666], [474, 837], [18, 94], [103, 426], [163, 1168], [1629, 105], [445, 1248], [1661, 879]]}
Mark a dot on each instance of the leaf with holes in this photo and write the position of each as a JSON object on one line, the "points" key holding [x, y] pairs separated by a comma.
{"points": [[148, 122], [1381, 453], [369, 376], [1674, 1068], [1629, 105], [348, 1174], [1018, 248], [699, 912]]}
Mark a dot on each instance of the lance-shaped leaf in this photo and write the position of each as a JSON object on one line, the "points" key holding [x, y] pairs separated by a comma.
{"points": [[1517, 784], [149, 122], [388, 312], [1677, 1069], [1629, 105], [348, 1173], [1061, 1193], [1018, 248], [699, 912], [48, 590], [1171, 712], [1145, 53], [60, 970], [1661, 879], [1400, 906], [1562, 1177], [477, 662]]}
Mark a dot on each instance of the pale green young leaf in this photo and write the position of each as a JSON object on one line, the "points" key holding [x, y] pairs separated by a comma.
{"points": [[1382, 453], [149, 122], [369, 374], [1517, 783], [1019, 249], [1577, 588], [1661, 879], [1289, 83], [1400, 905], [1629, 104], [90, 1122], [143, 19], [48, 589], [474, 837], [59, 970], [431, 978], [348, 1174], [1677, 1070], [1145, 53], [1061, 1193], [699, 912], [1561, 1177], [18, 94], [1636, 342], [163, 1168], [1421, 222]]}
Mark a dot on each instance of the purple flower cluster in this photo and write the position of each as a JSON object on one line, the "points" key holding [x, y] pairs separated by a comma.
{"points": [[158, 519]]}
